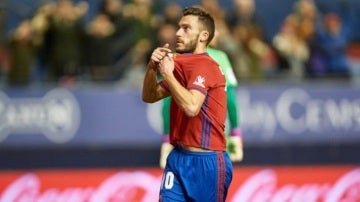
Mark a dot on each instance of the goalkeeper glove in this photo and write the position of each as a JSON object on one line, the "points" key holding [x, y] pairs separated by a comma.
{"points": [[235, 145]]}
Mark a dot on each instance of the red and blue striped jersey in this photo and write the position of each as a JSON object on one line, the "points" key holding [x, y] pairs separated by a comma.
{"points": [[205, 130]]}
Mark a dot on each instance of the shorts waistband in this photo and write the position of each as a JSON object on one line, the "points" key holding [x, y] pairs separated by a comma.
{"points": [[194, 149], [185, 150]]}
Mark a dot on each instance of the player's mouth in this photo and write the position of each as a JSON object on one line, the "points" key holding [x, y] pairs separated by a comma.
{"points": [[179, 42]]}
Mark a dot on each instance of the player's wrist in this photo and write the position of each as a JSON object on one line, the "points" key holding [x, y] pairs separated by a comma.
{"points": [[236, 132], [166, 138], [152, 65]]}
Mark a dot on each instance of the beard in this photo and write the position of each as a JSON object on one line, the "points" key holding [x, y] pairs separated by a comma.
{"points": [[188, 47]]}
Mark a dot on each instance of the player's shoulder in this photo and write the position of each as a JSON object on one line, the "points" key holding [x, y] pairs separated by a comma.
{"points": [[207, 61]]}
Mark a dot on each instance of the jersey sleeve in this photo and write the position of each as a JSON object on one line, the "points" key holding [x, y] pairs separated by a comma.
{"points": [[202, 77]]}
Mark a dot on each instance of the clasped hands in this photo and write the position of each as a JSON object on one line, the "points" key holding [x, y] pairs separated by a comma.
{"points": [[162, 60]]}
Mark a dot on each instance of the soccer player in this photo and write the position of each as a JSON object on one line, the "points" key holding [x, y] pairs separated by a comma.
{"points": [[234, 135], [198, 168]]}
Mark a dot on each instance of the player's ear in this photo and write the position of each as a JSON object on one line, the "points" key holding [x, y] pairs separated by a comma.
{"points": [[204, 35]]}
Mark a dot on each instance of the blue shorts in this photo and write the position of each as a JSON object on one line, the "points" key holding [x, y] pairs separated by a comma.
{"points": [[196, 176]]}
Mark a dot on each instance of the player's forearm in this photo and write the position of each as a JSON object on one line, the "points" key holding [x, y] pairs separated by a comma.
{"points": [[165, 112], [183, 97], [232, 107], [150, 85]]}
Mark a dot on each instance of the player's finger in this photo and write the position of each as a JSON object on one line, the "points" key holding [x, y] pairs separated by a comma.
{"points": [[155, 58], [158, 55], [165, 48]]}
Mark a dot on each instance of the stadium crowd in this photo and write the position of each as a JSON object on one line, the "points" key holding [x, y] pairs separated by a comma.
{"points": [[55, 45]]}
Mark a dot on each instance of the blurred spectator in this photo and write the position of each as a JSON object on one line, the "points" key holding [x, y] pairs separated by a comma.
{"points": [[4, 61], [167, 34], [114, 10], [213, 7], [327, 36], [143, 20], [64, 41], [310, 19], [26, 46], [98, 48], [40, 25], [220, 18], [143, 24], [135, 64], [121, 33], [332, 42], [244, 12], [22, 52], [3, 50], [226, 42], [353, 53], [123, 38], [248, 33], [292, 49], [172, 13]]}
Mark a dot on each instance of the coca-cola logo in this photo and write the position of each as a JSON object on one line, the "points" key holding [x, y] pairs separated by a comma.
{"points": [[262, 186], [142, 186], [121, 187]]}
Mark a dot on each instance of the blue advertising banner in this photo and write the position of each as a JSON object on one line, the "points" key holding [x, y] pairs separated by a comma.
{"points": [[77, 117], [113, 116], [309, 114]]}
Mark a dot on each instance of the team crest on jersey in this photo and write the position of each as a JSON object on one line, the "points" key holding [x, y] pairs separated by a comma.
{"points": [[200, 81]]}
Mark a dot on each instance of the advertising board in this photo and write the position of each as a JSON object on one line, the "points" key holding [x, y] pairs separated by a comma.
{"points": [[250, 184], [82, 117]]}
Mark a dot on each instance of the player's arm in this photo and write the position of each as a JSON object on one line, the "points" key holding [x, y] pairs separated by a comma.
{"points": [[235, 144], [232, 107], [166, 147], [152, 90], [190, 101]]}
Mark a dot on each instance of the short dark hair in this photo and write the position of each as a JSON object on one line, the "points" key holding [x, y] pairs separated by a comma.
{"points": [[205, 19]]}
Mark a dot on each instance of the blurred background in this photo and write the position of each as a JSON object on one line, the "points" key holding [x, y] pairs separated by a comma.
{"points": [[71, 75]]}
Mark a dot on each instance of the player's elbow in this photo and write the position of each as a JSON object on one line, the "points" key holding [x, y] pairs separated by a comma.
{"points": [[148, 99], [153, 94], [152, 97]]}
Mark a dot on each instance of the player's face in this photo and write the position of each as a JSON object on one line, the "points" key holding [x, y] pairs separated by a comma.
{"points": [[187, 34]]}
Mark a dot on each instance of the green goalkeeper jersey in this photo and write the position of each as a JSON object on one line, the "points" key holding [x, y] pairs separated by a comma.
{"points": [[223, 60]]}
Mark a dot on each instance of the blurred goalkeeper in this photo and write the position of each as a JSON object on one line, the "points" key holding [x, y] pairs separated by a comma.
{"points": [[234, 133]]}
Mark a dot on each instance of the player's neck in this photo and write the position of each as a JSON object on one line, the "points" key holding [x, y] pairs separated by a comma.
{"points": [[199, 49]]}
